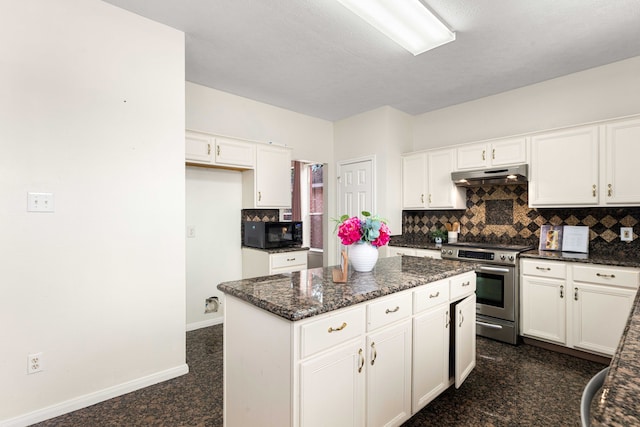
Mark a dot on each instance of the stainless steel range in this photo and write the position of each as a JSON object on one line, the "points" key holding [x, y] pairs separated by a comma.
{"points": [[497, 287]]}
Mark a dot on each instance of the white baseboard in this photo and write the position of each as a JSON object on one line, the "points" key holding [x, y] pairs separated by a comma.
{"points": [[205, 323], [93, 398]]}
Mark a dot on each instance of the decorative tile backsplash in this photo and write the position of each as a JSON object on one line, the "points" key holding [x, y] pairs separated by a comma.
{"points": [[501, 214]]}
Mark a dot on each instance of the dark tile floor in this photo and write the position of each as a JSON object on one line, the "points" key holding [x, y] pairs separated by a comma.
{"points": [[511, 386]]}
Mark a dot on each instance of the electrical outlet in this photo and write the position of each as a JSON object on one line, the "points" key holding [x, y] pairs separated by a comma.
{"points": [[626, 234], [34, 363]]}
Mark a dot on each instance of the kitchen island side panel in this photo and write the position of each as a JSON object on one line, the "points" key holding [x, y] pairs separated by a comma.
{"points": [[257, 366]]}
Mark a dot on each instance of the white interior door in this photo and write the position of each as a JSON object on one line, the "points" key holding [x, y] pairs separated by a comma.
{"points": [[356, 191]]}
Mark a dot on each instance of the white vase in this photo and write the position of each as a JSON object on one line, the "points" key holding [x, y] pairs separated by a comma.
{"points": [[363, 256]]}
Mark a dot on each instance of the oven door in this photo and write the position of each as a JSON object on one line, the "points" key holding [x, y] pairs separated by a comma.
{"points": [[495, 292]]}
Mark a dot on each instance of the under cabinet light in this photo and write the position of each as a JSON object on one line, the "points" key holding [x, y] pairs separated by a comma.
{"points": [[407, 22]]}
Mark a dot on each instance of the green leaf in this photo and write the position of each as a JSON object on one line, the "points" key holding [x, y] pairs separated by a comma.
{"points": [[344, 217], [366, 214]]}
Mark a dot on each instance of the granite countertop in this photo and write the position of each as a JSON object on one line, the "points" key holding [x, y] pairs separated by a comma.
{"points": [[307, 293], [590, 258], [277, 250], [618, 403]]}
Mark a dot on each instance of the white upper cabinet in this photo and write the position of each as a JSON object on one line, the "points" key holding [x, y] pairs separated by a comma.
{"points": [[564, 168], [205, 149], [426, 181], [199, 148], [620, 161], [269, 185], [233, 152], [495, 153]]}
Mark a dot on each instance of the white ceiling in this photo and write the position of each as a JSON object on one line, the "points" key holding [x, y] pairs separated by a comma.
{"points": [[317, 58]]}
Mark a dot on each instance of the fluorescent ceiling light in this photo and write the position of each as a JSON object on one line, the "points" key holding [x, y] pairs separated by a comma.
{"points": [[407, 22]]}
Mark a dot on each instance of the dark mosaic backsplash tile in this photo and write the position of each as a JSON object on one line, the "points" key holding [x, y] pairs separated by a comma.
{"points": [[501, 214]]}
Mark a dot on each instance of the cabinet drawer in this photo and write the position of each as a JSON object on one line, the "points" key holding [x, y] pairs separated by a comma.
{"points": [[557, 270], [388, 310], [462, 285], [606, 276], [332, 330], [399, 251], [430, 295], [428, 253], [288, 259]]}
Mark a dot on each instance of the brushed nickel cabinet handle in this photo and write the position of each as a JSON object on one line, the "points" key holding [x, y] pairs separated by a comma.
{"points": [[429, 197], [436, 295], [361, 361], [561, 291], [467, 283], [484, 152], [422, 198], [375, 353], [218, 150], [339, 328], [208, 148], [290, 259], [461, 318], [593, 190], [448, 319], [543, 268], [606, 276], [609, 191], [575, 294], [259, 195], [387, 311], [493, 154]]}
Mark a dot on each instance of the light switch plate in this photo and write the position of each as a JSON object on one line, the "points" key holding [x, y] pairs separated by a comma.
{"points": [[40, 202], [626, 234]]}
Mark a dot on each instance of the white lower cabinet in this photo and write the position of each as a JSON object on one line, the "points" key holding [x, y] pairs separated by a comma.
{"points": [[582, 306], [256, 262], [430, 355], [388, 369], [423, 253], [373, 364], [332, 388]]}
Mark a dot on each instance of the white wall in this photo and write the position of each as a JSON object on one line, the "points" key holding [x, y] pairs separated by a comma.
{"points": [[214, 254], [92, 110], [212, 111], [600, 93], [385, 133]]}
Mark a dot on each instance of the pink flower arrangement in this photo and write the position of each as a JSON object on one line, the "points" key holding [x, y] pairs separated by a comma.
{"points": [[371, 229]]}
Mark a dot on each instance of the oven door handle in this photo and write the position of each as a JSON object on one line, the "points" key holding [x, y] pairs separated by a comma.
{"points": [[494, 269], [488, 325]]}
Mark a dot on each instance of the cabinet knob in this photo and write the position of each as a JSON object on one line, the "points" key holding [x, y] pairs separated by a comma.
{"points": [[339, 328], [374, 354]]}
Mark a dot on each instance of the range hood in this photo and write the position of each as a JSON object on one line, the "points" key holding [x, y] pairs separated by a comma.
{"points": [[497, 176]]}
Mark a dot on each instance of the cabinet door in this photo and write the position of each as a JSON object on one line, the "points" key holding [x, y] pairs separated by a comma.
{"points": [[544, 308], [198, 148], [564, 168], [508, 152], [414, 181], [465, 324], [600, 314], [332, 388], [472, 156], [273, 177], [622, 150], [430, 356], [388, 376], [232, 152], [442, 192]]}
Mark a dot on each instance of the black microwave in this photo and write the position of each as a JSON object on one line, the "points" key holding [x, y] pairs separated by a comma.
{"points": [[270, 235]]}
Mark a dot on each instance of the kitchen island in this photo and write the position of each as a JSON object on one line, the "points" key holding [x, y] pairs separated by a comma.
{"points": [[300, 350]]}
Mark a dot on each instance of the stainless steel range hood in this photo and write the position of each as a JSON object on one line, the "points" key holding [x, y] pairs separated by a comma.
{"points": [[496, 176]]}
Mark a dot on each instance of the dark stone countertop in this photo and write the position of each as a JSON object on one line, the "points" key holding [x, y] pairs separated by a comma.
{"points": [[618, 402], [277, 250], [307, 293], [590, 258]]}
